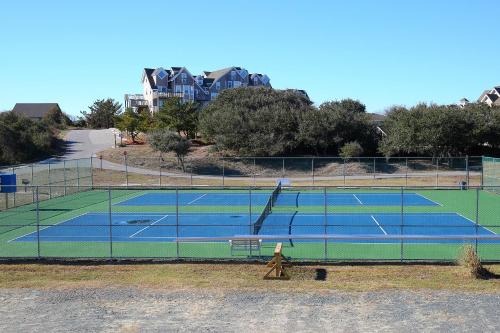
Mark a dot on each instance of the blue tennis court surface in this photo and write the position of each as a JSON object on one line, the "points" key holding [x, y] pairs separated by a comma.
{"points": [[157, 227], [288, 198]]}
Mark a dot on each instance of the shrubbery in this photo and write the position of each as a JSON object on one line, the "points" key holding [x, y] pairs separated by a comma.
{"points": [[23, 140]]}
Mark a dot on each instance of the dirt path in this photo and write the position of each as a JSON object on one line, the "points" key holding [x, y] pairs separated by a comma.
{"points": [[134, 310]]}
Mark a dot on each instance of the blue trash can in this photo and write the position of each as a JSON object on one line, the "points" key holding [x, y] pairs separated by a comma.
{"points": [[8, 183]]}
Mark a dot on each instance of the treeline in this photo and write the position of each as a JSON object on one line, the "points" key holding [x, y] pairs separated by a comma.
{"points": [[267, 122], [24, 140]]}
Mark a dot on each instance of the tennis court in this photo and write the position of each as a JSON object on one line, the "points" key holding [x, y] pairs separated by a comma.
{"points": [[151, 222], [140, 227], [290, 198]]}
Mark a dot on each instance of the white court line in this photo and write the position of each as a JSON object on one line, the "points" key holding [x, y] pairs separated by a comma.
{"points": [[357, 198], [146, 227], [45, 227], [201, 196], [423, 196], [129, 198], [474, 223], [374, 219]]}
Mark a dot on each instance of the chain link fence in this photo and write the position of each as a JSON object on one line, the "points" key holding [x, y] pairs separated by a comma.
{"points": [[301, 171], [317, 223]]}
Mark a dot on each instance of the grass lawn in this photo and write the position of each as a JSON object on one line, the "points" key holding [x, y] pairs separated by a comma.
{"points": [[246, 277]]}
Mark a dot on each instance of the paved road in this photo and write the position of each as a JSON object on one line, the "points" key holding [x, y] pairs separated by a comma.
{"points": [[85, 143]]}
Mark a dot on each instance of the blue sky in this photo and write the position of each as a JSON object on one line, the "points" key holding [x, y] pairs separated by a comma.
{"points": [[381, 52]]}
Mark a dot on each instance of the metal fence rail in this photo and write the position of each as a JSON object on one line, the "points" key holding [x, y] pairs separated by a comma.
{"points": [[200, 222]]}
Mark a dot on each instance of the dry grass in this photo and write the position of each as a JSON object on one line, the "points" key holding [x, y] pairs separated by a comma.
{"points": [[245, 276], [471, 262]]}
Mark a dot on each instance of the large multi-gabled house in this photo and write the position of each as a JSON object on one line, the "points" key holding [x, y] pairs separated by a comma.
{"points": [[491, 97], [160, 84]]}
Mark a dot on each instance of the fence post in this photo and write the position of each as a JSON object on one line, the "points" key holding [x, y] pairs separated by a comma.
{"points": [[401, 253], [482, 171], [251, 231], [467, 170], [283, 168], [126, 167], [177, 221], [406, 175], [37, 222], [223, 172], [78, 176], [374, 170], [437, 172], [477, 217], [159, 165], [326, 222], [14, 194], [343, 171], [32, 182], [312, 170], [110, 216], [64, 173], [254, 172], [91, 173], [50, 185]]}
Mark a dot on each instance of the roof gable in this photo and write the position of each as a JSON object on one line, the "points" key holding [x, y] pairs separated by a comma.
{"points": [[34, 110]]}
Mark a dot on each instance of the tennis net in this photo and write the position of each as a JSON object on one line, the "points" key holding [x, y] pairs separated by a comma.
{"points": [[267, 209]]}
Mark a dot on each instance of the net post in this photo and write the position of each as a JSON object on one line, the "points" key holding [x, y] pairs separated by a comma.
{"points": [[401, 253], [37, 223], [14, 194], [177, 222], [110, 220]]}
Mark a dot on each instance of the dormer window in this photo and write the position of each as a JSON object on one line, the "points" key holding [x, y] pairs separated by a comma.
{"points": [[256, 80], [162, 75], [184, 75]]}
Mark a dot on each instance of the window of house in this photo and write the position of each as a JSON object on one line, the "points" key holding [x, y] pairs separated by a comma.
{"points": [[217, 85], [233, 75], [213, 95], [229, 84], [162, 75], [178, 89], [237, 84], [255, 80]]}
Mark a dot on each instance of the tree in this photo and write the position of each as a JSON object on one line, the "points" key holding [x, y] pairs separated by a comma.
{"points": [[179, 116], [23, 139], [351, 149], [129, 122], [56, 118], [255, 121], [336, 123], [165, 141], [102, 113]]}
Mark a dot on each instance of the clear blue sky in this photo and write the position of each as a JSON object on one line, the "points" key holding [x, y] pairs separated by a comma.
{"points": [[380, 52]]}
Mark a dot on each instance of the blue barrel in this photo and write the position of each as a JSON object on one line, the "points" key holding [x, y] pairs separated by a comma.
{"points": [[8, 183]]}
